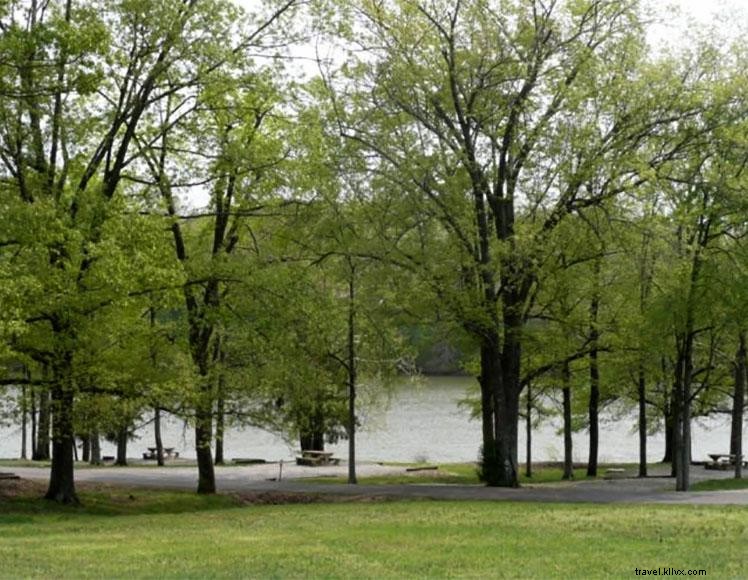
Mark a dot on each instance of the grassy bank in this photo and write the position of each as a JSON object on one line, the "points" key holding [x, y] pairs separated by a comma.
{"points": [[157, 534]]}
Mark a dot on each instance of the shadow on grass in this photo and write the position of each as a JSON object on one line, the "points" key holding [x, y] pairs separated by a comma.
{"points": [[20, 499]]}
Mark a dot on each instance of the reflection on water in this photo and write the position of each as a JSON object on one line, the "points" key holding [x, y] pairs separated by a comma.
{"points": [[423, 421]]}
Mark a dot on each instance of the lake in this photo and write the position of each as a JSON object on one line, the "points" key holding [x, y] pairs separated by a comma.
{"points": [[422, 421]]}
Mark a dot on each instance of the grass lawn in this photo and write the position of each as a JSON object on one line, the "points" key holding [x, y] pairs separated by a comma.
{"points": [[454, 473], [720, 484], [136, 533]]}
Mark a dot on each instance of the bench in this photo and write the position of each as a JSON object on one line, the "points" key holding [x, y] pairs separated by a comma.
{"points": [[724, 461], [312, 458]]}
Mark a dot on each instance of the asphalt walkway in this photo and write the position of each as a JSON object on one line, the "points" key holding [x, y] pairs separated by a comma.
{"points": [[264, 479]]}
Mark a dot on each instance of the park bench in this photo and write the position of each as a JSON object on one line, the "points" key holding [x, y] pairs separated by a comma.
{"points": [[313, 458], [169, 453], [724, 461]]}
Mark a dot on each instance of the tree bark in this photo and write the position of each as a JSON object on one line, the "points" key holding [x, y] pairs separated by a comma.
{"points": [[738, 407], [489, 360], [220, 421], [352, 375], [33, 422], [157, 435], [61, 480], [568, 458], [95, 447], [122, 436], [86, 448], [669, 437], [593, 411], [206, 483], [528, 433], [642, 394], [41, 452], [24, 413], [594, 402], [682, 441]]}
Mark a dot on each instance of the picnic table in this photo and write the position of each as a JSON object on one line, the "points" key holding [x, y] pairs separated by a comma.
{"points": [[169, 453], [724, 461], [313, 458]]}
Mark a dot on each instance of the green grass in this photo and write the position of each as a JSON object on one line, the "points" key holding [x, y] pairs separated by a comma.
{"points": [[179, 535], [452, 473], [720, 484]]}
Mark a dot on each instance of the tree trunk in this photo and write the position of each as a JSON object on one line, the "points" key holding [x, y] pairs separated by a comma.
{"points": [[593, 410], [220, 422], [506, 440], [62, 478], [157, 435], [489, 360], [41, 452], [738, 406], [33, 423], [669, 437], [203, 435], [568, 459], [95, 447], [122, 436], [677, 418], [594, 402], [86, 448], [682, 441], [642, 423], [352, 376], [24, 413], [528, 433]]}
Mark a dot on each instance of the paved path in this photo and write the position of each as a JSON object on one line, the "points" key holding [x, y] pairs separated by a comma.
{"points": [[257, 478]]}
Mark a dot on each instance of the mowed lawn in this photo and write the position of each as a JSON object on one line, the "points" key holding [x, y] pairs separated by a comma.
{"points": [[136, 533]]}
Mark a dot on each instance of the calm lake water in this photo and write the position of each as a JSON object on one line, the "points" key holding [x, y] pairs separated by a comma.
{"points": [[423, 421]]}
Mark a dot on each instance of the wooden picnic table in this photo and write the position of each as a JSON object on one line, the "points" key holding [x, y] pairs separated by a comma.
{"points": [[169, 453], [311, 457]]}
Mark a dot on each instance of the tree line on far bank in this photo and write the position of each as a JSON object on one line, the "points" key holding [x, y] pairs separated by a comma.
{"points": [[527, 177]]}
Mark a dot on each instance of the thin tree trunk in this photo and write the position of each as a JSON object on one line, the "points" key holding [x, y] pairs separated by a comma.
{"points": [[594, 402], [669, 437], [738, 406], [41, 452], [157, 410], [122, 436], [33, 423], [352, 375], [642, 423], [568, 459], [157, 435], [682, 444], [677, 418], [528, 433], [86, 448], [220, 416], [24, 413], [594, 412]]}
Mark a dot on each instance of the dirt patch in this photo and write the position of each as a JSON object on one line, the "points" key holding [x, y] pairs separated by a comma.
{"points": [[12, 488]]}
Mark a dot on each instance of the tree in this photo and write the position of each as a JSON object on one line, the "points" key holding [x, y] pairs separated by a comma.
{"points": [[423, 102]]}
